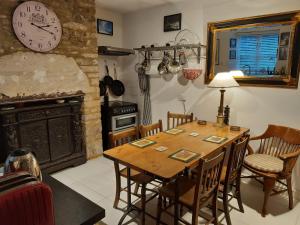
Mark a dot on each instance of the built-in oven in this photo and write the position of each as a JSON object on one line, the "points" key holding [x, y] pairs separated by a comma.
{"points": [[117, 116], [122, 122]]}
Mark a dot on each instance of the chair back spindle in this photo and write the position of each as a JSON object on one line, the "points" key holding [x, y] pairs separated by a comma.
{"points": [[175, 119], [278, 140], [152, 129], [123, 137]]}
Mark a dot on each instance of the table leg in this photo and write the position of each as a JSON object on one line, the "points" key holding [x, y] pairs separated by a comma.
{"points": [[129, 204], [128, 188], [176, 204]]}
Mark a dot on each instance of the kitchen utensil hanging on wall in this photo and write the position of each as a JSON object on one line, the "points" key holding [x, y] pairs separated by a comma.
{"points": [[146, 64], [174, 66], [162, 67], [107, 79], [182, 59], [117, 86], [102, 87]]}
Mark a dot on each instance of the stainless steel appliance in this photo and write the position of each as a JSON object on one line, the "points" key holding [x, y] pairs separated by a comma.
{"points": [[117, 116], [124, 121]]}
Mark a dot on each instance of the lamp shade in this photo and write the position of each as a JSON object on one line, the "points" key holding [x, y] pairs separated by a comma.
{"points": [[223, 80], [236, 73]]}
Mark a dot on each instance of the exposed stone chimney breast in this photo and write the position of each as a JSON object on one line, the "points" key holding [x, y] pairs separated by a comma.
{"points": [[30, 73]]}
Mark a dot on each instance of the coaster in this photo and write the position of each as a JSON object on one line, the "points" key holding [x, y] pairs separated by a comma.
{"points": [[184, 155], [235, 128], [174, 131], [194, 134], [202, 122], [142, 143], [215, 139], [161, 148]]}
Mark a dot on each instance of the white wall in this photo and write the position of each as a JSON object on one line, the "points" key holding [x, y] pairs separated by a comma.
{"points": [[252, 107], [116, 41]]}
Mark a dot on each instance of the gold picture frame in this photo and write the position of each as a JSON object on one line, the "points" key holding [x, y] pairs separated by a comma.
{"points": [[287, 80]]}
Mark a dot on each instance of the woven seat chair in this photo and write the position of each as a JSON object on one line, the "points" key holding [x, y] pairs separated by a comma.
{"points": [[275, 159], [175, 119]]}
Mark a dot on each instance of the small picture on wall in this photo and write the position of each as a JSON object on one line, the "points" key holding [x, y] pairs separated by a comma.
{"points": [[105, 27], [232, 43], [284, 39], [172, 22], [283, 53], [232, 54]]}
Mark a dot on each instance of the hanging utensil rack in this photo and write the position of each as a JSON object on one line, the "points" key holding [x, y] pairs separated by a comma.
{"points": [[195, 47]]}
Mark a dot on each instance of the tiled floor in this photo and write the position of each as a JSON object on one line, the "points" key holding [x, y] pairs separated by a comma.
{"points": [[96, 181]]}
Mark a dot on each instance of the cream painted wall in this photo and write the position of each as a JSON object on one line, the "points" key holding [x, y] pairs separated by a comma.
{"points": [[116, 41], [117, 18], [251, 107]]}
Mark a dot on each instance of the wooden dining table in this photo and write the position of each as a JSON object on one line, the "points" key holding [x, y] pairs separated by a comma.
{"points": [[150, 161]]}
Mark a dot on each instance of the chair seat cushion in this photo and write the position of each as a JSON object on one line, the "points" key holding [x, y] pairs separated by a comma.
{"points": [[265, 163]]}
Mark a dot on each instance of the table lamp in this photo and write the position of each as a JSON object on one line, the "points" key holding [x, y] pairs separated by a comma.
{"points": [[223, 80]]}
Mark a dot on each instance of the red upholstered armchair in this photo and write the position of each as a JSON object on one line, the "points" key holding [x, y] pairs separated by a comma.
{"points": [[26, 202]]}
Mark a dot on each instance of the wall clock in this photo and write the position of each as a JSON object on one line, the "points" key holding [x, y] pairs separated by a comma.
{"points": [[36, 26]]}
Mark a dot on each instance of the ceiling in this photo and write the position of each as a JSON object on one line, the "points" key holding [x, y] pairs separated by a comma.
{"points": [[125, 6]]}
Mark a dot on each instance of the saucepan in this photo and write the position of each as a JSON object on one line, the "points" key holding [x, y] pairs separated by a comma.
{"points": [[117, 87], [107, 79]]}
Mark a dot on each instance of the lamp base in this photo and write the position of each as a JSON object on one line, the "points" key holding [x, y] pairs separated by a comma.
{"points": [[220, 121]]}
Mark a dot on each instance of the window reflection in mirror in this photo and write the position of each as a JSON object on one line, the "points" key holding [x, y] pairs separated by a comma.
{"points": [[266, 48], [260, 51]]}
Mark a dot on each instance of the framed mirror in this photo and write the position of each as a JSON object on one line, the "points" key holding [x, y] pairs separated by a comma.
{"points": [[266, 48]]}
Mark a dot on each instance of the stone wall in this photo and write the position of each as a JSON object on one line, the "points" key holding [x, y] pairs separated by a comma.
{"points": [[78, 42]]}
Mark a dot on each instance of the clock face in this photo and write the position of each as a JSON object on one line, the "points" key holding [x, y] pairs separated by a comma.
{"points": [[36, 26]]}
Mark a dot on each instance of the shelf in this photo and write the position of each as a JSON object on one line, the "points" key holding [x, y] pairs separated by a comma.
{"points": [[165, 48], [198, 47], [114, 51]]}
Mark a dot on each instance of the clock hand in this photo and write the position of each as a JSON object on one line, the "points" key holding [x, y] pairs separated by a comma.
{"points": [[46, 25], [41, 27]]}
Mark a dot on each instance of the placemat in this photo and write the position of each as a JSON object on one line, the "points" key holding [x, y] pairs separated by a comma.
{"points": [[215, 139], [184, 155], [142, 143]]}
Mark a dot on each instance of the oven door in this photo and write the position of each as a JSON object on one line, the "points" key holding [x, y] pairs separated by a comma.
{"points": [[124, 121]]}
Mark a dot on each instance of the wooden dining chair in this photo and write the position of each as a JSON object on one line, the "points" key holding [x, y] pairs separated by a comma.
{"points": [[152, 129], [195, 194], [231, 175], [138, 178], [175, 119], [278, 151]]}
